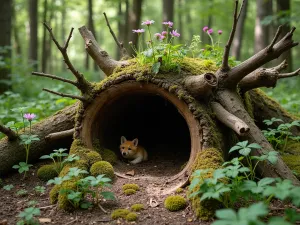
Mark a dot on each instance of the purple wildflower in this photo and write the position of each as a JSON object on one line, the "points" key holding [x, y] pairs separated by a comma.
{"points": [[205, 28], [174, 33], [29, 116], [162, 37], [169, 24], [210, 31], [148, 22], [220, 32], [138, 31], [157, 35], [164, 33]]}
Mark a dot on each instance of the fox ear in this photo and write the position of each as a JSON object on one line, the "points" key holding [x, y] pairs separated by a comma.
{"points": [[123, 139], [135, 142]]}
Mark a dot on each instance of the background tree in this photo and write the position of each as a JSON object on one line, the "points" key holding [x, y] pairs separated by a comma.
{"points": [[33, 28]]}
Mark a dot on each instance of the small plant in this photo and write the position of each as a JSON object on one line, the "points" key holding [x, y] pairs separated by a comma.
{"points": [[22, 167], [32, 203], [28, 216], [22, 193], [8, 187], [39, 189], [58, 157]]}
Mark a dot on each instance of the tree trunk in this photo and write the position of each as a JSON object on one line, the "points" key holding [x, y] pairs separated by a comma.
{"points": [[17, 43], [205, 38], [180, 19], [33, 22], [285, 6], [262, 32], [121, 29], [134, 22], [168, 11], [5, 42], [44, 44], [63, 27], [238, 38], [13, 152]]}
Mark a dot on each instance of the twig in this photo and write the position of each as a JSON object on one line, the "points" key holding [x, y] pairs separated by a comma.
{"points": [[281, 66], [46, 207], [60, 135], [225, 66], [66, 95], [103, 210], [120, 44], [278, 32], [11, 135], [54, 77], [292, 74], [72, 221], [125, 177]]}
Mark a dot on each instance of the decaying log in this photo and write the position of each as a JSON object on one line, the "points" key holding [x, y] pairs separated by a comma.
{"points": [[11, 152], [11, 135], [101, 57], [201, 85], [231, 121], [60, 135]]}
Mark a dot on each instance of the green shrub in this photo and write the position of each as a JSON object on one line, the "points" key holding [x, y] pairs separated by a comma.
{"points": [[102, 167], [175, 203]]}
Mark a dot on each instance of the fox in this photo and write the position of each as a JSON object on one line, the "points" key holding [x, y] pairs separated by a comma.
{"points": [[131, 150]]}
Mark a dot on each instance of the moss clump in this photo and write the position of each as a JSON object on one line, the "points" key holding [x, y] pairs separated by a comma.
{"points": [[102, 167], [47, 172], [109, 156], [80, 164], [63, 202], [208, 158], [53, 195], [293, 162], [137, 207], [93, 157], [179, 190], [131, 186], [175, 203], [131, 216], [129, 192], [119, 213]]}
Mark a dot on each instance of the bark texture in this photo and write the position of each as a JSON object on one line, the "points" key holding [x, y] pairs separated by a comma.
{"points": [[13, 152]]}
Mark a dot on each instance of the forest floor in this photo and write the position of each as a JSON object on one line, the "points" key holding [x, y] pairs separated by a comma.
{"points": [[154, 188]]}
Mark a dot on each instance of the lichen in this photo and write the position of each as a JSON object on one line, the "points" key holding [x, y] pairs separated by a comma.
{"points": [[129, 191], [137, 207], [175, 203], [131, 186], [102, 167], [131, 217], [47, 172], [119, 213]]}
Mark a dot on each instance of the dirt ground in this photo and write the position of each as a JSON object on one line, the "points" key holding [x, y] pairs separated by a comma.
{"points": [[151, 176]]}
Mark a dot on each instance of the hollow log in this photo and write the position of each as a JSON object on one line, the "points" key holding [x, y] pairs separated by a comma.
{"points": [[11, 152]]}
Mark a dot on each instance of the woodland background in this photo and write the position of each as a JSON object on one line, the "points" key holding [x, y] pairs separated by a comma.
{"points": [[25, 45]]}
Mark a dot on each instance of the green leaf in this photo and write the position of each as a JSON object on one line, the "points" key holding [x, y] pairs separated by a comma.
{"points": [[226, 214], [108, 195], [254, 145], [278, 221], [234, 148], [245, 151], [155, 68], [265, 181]]}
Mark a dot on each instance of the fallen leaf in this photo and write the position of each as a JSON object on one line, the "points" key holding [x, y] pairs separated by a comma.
{"points": [[153, 203], [45, 220], [130, 173]]}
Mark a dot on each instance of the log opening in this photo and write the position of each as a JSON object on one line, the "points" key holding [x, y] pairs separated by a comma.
{"points": [[162, 123]]}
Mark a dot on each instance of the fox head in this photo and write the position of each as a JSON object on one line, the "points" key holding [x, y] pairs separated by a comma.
{"points": [[128, 148]]}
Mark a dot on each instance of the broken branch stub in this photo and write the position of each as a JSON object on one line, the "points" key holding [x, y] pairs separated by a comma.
{"points": [[11, 135], [101, 57]]}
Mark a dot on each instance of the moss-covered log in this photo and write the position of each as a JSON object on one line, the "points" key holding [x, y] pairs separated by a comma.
{"points": [[11, 152]]}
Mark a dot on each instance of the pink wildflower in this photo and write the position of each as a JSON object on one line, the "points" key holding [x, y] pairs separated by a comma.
{"points": [[29, 116], [138, 31], [220, 32], [205, 28], [148, 22], [210, 31], [162, 37], [174, 33], [169, 24], [157, 35], [164, 33]]}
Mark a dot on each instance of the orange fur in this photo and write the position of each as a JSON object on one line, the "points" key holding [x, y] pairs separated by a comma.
{"points": [[131, 150]]}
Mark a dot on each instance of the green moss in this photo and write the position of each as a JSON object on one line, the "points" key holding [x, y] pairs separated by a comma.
{"points": [[93, 157], [129, 192], [109, 156], [119, 213], [47, 172], [131, 186], [207, 158], [63, 202], [53, 195], [248, 104], [102, 167], [131, 216], [179, 190], [198, 66], [137, 207], [293, 148], [175, 203]]}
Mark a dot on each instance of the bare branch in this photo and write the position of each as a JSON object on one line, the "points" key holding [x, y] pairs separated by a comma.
{"points": [[83, 84], [201, 85], [59, 135], [278, 32], [281, 66], [230, 120], [101, 57], [241, 9], [292, 74], [120, 45], [66, 95], [11, 135], [225, 67], [231, 78], [54, 77]]}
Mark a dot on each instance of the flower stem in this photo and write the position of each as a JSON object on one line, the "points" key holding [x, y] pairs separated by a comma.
{"points": [[151, 43], [211, 39]]}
